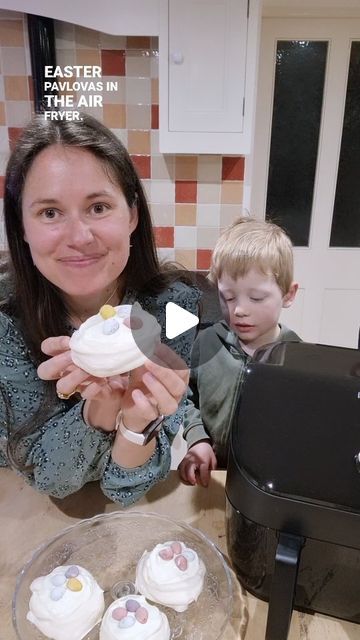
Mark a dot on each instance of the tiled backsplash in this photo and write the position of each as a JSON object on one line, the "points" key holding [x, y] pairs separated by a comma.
{"points": [[191, 197]]}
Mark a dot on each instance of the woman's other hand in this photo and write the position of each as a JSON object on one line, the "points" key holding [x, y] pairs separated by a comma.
{"points": [[155, 389]]}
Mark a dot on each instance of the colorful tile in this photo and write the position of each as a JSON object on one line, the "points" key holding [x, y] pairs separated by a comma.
{"points": [[115, 116], [185, 215], [138, 64], [232, 192], [114, 89], [143, 166], [155, 144], [203, 259], [138, 116], [11, 33], [113, 62], [233, 168], [186, 167], [90, 57], [163, 215], [86, 38], [165, 255], [209, 168], [229, 213], [155, 90], [18, 112], [16, 88], [122, 134], [2, 114], [108, 41], [138, 91], [207, 237], [208, 192], [65, 57], [186, 258], [208, 215], [162, 191], [13, 61], [14, 134], [138, 42], [164, 236], [4, 145], [185, 191], [154, 116], [139, 142], [185, 237], [162, 167]]}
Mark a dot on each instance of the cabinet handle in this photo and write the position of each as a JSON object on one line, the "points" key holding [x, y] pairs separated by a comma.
{"points": [[177, 57]]}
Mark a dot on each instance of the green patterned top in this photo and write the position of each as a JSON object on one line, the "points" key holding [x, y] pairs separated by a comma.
{"points": [[64, 452]]}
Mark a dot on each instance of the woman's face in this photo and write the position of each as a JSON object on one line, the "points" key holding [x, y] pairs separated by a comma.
{"points": [[76, 221]]}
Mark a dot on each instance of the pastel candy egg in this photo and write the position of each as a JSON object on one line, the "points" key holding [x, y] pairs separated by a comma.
{"points": [[181, 562], [189, 555], [107, 311], [110, 326], [72, 572], [58, 579], [127, 622], [176, 547], [119, 613], [166, 554], [74, 584], [57, 593], [132, 605], [142, 615]]}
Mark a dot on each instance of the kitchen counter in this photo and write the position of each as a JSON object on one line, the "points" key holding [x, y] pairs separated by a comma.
{"points": [[29, 519]]}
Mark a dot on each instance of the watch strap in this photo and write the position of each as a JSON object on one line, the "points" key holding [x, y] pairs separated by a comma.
{"points": [[150, 431]]}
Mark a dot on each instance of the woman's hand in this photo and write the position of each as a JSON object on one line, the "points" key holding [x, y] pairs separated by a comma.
{"points": [[71, 378], [155, 389]]}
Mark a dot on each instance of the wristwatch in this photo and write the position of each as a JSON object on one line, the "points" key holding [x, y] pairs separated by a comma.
{"points": [[143, 438]]}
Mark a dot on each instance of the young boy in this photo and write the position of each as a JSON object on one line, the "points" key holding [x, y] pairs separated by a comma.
{"points": [[252, 266]]}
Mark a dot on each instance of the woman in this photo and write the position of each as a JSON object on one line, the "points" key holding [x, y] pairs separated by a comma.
{"points": [[80, 236]]}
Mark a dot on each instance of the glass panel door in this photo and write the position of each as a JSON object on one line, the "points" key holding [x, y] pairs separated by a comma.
{"points": [[345, 230], [297, 107]]}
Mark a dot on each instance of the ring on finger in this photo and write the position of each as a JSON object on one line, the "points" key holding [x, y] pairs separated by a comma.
{"points": [[66, 396]]}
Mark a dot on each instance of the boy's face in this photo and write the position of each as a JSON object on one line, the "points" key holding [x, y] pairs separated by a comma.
{"points": [[251, 306]]}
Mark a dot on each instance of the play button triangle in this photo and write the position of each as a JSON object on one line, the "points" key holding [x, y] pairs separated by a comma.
{"points": [[178, 320]]}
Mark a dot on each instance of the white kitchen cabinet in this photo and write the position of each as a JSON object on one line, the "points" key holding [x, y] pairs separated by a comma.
{"points": [[208, 59], [117, 17]]}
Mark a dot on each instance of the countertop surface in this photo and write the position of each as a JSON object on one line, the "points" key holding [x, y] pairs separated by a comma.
{"points": [[29, 519]]}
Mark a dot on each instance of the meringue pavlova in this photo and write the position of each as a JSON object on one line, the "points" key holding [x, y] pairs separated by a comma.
{"points": [[66, 603], [105, 346], [133, 618], [171, 574]]}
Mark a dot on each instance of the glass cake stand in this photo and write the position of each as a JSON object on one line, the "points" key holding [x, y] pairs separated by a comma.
{"points": [[109, 546]]}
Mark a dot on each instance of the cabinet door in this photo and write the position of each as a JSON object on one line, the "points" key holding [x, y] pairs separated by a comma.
{"points": [[207, 68], [207, 55]]}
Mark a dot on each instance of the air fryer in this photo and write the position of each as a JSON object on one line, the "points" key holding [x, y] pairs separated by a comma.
{"points": [[293, 482]]}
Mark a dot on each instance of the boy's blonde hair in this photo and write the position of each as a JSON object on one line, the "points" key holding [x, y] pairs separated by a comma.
{"points": [[251, 243]]}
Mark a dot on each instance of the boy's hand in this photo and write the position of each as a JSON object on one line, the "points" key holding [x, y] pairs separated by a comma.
{"points": [[199, 461]]}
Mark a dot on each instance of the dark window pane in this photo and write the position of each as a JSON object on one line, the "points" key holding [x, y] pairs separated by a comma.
{"points": [[345, 230], [298, 97]]}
